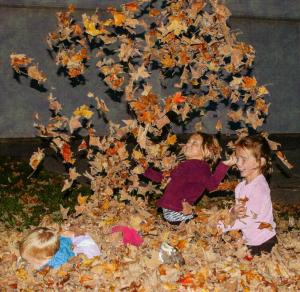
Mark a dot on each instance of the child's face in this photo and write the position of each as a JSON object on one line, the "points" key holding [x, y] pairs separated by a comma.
{"points": [[193, 148], [248, 165]]}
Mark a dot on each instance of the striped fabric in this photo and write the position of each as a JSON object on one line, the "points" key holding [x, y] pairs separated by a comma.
{"points": [[173, 216]]}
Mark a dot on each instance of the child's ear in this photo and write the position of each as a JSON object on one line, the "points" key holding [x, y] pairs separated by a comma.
{"points": [[263, 161]]}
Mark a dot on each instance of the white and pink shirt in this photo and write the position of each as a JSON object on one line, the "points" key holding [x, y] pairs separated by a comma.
{"points": [[259, 225]]}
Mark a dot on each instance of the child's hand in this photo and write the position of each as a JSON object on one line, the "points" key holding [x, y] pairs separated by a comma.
{"points": [[238, 211], [231, 161], [166, 173]]}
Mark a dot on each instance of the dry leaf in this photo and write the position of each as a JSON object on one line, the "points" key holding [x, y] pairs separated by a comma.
{"points": [[36, 158]]}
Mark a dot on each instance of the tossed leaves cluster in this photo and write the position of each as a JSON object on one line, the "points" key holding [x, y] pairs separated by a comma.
{"points": [[185, 45]]}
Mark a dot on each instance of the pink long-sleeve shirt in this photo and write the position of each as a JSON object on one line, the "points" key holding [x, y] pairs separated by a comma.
{"points": [[188, 181], [258, 210]]}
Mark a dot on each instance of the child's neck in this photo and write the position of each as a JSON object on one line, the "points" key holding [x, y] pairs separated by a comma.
{"points": [[250, 178], [195, 157]]}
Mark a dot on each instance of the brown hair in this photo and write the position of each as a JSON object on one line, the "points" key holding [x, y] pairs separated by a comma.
{"points": [[260, 148], [41, 243], [211, 144]]}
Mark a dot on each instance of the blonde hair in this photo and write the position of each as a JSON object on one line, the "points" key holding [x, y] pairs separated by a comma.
{"points": [[211, 146], [41, 243], [260, 148]]}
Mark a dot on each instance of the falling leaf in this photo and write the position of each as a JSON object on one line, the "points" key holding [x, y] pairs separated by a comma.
{"points": [[282, 157], [67, 153], [74, 123], [36, 158], [34, 73], [18, 61], [83, 111], [119, 18], [249, 82], [131, 6], [101, 105], [82, 146], [219, 126], [262, 90]]}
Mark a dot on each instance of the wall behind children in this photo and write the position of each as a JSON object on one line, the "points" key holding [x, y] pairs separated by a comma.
{"points": [[272, 27]]}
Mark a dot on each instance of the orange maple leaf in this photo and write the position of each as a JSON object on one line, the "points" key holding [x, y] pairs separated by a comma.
{"points": [[181, 244], [186, 280], [131, 6], [19, 60], [154, 12], [249, 82], [119, 18], [74, 72], [178, 98], [67, 153], [146, 117], [82, 146]]}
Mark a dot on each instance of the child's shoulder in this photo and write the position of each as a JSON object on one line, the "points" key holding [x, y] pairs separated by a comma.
{"points": [[194, 163], [259, 182]]}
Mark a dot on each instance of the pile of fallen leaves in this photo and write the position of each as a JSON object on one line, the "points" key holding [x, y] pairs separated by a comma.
{"points": [[213, 262]]}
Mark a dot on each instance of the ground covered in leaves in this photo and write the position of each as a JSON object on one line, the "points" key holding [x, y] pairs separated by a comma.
{"points": [[213, 262]]}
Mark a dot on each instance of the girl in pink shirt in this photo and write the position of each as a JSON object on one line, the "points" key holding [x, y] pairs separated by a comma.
{"points": [[253, 212]]}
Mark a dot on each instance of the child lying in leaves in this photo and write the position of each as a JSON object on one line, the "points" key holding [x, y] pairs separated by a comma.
{"points": [[46, 247]]}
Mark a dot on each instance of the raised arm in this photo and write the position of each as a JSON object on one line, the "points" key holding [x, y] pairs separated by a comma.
{"points": [[154, 175], [213, 180]]}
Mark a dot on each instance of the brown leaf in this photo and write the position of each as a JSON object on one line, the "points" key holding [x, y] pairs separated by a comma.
{"points": [[35, 74], [36, 158], [264, 225]]}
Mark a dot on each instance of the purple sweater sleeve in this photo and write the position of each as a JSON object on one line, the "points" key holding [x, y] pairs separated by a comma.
{"points": [[214, 180], [154, 175]]}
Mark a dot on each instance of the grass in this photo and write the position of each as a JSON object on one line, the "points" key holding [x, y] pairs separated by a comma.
{"points": [[24, 201]]}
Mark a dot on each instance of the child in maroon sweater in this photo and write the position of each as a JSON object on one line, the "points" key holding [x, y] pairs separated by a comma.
{"points": [[191, 177]]}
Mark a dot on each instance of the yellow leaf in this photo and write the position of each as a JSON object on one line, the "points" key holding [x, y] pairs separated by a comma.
{"points": [[21, 274], [90, 26], [262, 90], [82, 199], [83, 111], [119, 18], [171, 139], [167, 61], [137, 154]]}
